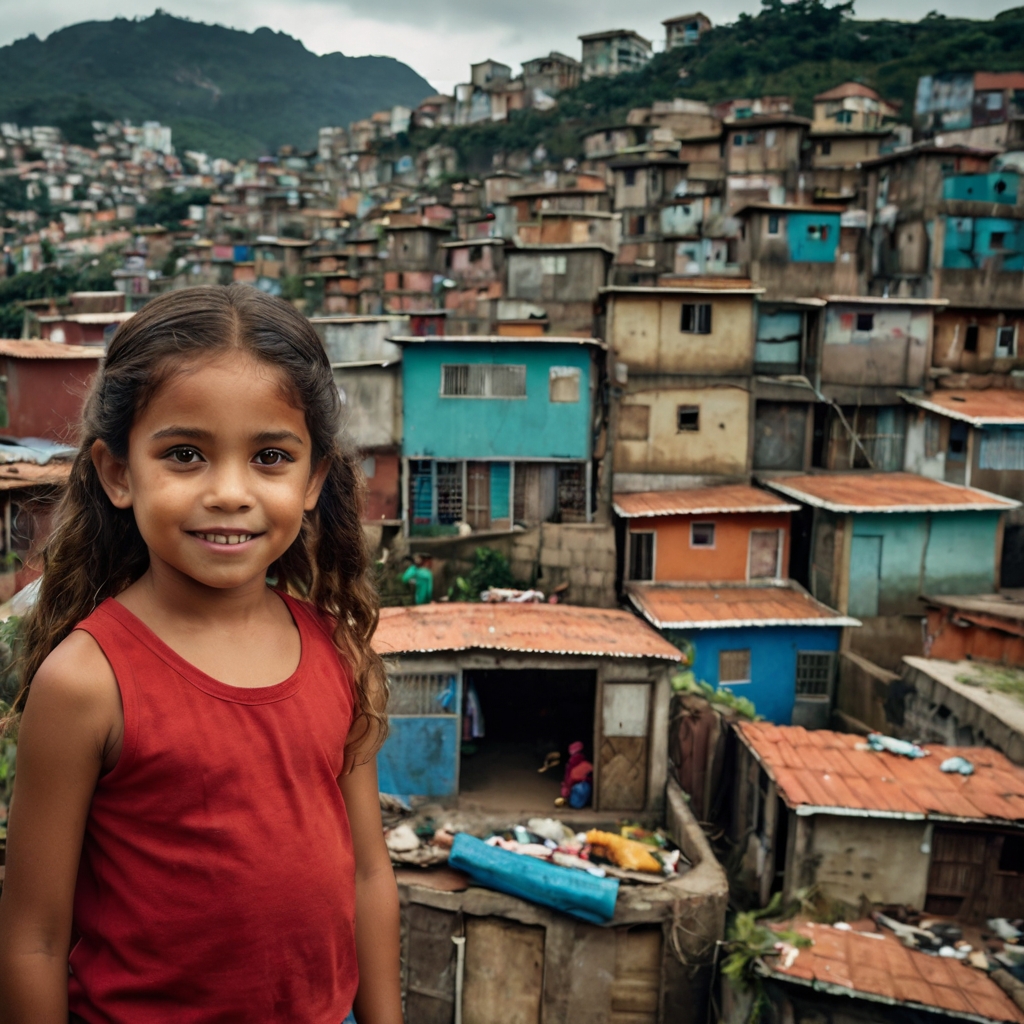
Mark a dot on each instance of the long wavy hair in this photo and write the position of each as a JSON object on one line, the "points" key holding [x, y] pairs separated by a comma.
{"points": [[96, 550]]}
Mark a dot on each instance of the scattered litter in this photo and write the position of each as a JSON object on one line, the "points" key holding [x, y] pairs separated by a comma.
{"points": [[550, 828], [504, 595], [624, 853], [401, 839], [1002, 927], [978, 959], [957, 764], [1013, 953], [904, 748], [789, 954], [842, 926]]}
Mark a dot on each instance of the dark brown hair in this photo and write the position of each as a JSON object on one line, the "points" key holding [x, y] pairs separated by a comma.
{"points": [[96, 550]]}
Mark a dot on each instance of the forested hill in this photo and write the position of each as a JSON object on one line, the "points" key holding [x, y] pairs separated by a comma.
{"points": [[795, 48], [228, 92]]}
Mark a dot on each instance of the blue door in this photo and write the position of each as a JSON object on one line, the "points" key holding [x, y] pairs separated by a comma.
{"points": [[421, 754], [865, 575]]}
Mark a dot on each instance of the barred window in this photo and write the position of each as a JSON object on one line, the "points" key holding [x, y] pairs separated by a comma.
{"points": [[696, 318], [483, 380], [422, 693], [641, 556], [734, 666], [814, 673]]}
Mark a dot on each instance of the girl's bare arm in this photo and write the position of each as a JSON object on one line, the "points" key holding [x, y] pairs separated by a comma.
{"points": [[379, 998], [71, 726]]}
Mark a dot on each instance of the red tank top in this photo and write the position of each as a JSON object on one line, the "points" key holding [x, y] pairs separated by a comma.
{"points": [[217, 879]]}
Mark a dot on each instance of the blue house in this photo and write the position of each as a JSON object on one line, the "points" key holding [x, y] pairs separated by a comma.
{"points": [[497, 431], [773, 644]]}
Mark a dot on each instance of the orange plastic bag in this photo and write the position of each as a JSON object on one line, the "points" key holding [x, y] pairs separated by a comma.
{"points": [[626, 853]]}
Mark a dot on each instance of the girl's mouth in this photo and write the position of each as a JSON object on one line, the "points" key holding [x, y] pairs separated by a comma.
{"points": [[228, 539]]}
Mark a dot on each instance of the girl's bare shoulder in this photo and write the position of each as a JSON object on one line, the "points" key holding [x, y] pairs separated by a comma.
{"points": [[77, 675]]}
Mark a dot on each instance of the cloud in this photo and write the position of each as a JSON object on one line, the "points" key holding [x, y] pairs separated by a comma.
{"points": [[439, 38]]}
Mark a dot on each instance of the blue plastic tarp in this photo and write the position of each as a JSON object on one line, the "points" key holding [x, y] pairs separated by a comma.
{"points": [[576, 893]]}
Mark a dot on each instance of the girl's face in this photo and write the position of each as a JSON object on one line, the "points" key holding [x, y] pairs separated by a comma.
{"points": [[219, 471]]}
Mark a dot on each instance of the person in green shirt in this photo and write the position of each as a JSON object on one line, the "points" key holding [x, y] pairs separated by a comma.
{"points": [[423, 579]]}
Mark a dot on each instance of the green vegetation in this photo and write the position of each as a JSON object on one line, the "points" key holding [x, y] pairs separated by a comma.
{"points": [[795, 49], [169, 207], [490, 569], [687, 682], [227, 92], [1001, 678]]}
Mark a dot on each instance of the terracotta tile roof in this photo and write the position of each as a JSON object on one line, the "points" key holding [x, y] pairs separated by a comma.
{"points": [[977, 407], [840, 92], [37, 348], [822, 770], [876, 966], [887, 492], [27, 474], [726, 607], [984, 80], [700, 501], [527, 628]]}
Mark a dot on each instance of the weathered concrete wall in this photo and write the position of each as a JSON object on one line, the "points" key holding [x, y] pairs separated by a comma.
{"points": [[862, 692], [870, 857], [895, 350], [362, 338], [645, 332], [718, 446], [951, 335], [580, 554], [371, 404]]}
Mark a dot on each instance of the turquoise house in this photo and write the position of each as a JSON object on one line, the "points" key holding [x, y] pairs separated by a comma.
{"points": [[813, 237], [971, 241], [497, 431], [878, 541]]}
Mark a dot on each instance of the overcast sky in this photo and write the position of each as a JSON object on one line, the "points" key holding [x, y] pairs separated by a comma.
{"points": [[439, 38]]}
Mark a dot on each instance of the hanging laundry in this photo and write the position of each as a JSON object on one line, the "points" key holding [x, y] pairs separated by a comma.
{"points": [[473, 716]]}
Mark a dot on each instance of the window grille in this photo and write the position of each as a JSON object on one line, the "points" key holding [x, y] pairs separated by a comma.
{"points": [[1006, 341], [572, 493], [641, 556], [483, 380], [814, 673], [422, 693], [734, 666], [449, 492], [696, 318]]}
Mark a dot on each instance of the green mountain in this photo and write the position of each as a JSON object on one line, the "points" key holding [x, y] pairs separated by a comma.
{"points": [[227, 92]]}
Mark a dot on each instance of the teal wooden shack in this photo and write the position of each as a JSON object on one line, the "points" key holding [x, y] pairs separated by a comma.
{"points": [[498, 430], [875, 542]]}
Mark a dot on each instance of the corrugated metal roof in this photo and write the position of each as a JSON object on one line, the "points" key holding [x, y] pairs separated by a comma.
{"points": [[35, 450], [699, 501], [28, 474], [825, 772], [887, 492], [37, 348], [493, 339], [87, 318], [976, 407], [876, 966], [524, 628], [728, 607]]}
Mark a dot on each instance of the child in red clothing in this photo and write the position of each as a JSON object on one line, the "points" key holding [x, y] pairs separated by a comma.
{"points": [[196, 835]]}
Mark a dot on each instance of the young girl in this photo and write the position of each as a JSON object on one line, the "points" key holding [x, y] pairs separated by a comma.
{"points": [[196, 833]]}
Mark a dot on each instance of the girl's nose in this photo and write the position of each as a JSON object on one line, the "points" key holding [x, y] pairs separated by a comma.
{"points": [[230, 489]]}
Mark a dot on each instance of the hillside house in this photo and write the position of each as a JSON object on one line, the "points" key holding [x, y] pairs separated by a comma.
{"points": [[81, 328], [852, 107], [836, 156], [686, 354], [771, 643], [498, 430], [873, 543], [979, 339], [606, 54], [704, 534], [685, 29], [862, 824], [551, 74], [764, 158]]}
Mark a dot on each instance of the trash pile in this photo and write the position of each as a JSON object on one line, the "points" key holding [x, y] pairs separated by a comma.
{"points": [[1001, 946]]}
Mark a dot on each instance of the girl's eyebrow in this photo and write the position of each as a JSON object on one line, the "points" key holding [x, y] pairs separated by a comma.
{"points": [[270, 436], [192, 433], [196, 434]]}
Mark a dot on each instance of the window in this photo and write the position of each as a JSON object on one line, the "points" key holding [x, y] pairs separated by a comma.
{"points": [[737, 140], [994, 101], [773, 223], [734, 666], [634, 422], [957, 451], [483, 380], [844, 117], [814, 673], [630, 177], [476, 253], [752, 138], [422, 693], [997, 240], [641, 225], [817, 232], [369, 467], [552, 266], [641, 556], [449, 492], [702, 535], [826, 147], [564, 384], [688, 417], [971, 338], [1006, 341], [696, 318], [769, 138], [865, 321], [1011, 855]]}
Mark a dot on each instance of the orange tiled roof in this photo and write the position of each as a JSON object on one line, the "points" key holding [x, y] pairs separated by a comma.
{"points": [[527, 628], [824, 770], [887, 492], [977, 407], [39, 348], [700, 501], [724, 607], [840, 92], [984, 80], [876, 966]]}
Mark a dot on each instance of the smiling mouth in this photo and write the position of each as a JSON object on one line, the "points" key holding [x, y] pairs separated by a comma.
{"points": [[225, 538]]}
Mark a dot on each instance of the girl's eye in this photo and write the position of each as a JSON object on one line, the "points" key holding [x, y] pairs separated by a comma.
{"points": [[185, 456], [272, 457]]}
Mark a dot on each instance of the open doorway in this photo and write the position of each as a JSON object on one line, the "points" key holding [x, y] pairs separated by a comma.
{"points": [[527, 715]]}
